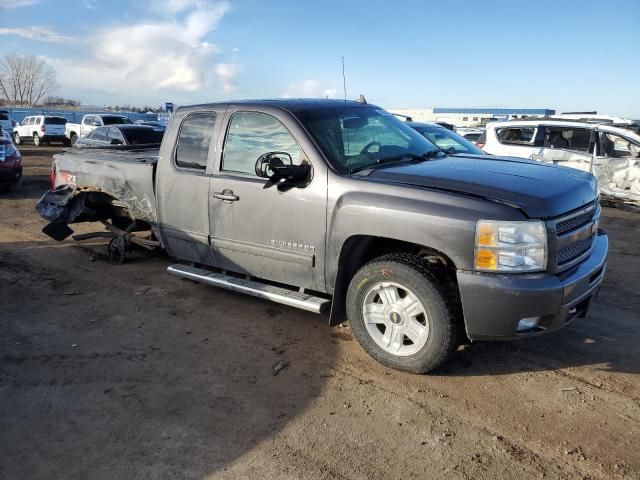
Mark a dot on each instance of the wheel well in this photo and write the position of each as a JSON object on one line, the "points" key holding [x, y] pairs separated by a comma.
{"points": [[100, 206], [361, 249]]}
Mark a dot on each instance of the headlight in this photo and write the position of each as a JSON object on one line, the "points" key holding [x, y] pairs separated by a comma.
{"points": [[510, 246]]}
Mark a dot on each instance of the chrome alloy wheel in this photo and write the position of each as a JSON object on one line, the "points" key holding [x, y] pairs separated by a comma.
{"points": [[395, 319]]}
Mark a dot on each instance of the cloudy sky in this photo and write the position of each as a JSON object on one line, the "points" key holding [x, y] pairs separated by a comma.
{"points": [[573, 55]]}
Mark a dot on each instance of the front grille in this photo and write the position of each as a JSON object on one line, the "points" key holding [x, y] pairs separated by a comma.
{"points": [[573, 251], [574, 223]]}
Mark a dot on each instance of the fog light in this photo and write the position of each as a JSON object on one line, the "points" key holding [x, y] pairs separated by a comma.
{"points": [[528, 323]]}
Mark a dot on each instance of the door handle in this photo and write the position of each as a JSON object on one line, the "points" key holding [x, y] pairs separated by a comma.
{"points": [[226, 196]]}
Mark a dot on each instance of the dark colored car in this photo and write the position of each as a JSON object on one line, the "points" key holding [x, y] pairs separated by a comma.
{"points": [[10, 166], [444, 138], [121, 135]]}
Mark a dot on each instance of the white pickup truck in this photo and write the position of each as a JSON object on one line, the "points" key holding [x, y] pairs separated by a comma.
{"points": [[74, 131]]}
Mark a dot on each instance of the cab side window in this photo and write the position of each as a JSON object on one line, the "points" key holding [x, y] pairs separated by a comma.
{"points": [[115, 134], [616, 146], [100, 134], [575, 139], [88, 120], [194, 139], [252, 134], [516, 135]]}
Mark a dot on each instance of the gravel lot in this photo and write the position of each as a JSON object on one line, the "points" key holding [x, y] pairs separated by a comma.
{"points": [[126, 372]]}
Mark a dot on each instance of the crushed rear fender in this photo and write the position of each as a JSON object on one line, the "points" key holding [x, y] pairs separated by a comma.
{"points": [[61, 207]]}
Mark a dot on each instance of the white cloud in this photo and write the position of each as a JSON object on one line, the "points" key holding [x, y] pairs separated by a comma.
{"points": [[17, 3], [226, 74], [153, 58], [90, 4], [308, 89], [36, 32]]}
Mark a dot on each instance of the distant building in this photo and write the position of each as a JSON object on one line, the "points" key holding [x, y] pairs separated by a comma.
{"points": [[470, 117]]}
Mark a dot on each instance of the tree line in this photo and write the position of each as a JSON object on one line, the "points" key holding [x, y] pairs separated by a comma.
{"points": [[27, 81]]}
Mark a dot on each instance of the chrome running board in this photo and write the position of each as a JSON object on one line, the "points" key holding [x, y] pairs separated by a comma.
{"points": [[293, 298]]}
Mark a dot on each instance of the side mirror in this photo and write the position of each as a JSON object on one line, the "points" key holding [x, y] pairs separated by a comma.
{"points": [[96, 123], [267, 162], [115, 141], [278, 168]]}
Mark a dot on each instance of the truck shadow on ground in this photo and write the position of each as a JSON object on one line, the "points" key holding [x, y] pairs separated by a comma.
{"points": [[606, 339], [126, 372]]}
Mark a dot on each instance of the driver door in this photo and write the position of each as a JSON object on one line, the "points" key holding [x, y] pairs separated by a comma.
{"points": [[268, 233]]}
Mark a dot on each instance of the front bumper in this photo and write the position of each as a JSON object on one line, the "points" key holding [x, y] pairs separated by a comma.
{"points": [[493, 304]]}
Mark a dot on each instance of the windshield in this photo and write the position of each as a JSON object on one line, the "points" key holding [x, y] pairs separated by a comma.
{"points": [[142, 136], [356, 137], [447, 140], [115, 120]]}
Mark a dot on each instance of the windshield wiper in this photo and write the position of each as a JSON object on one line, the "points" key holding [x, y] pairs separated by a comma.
{"points": [[411, 157]]}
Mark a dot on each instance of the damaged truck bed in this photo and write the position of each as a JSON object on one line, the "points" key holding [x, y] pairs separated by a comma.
{"points": [[114, 186]]}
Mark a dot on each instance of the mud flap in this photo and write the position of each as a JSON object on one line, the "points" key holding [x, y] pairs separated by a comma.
{"points": [[58, 230]]}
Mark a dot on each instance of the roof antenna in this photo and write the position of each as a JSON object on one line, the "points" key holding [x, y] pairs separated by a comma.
{"points": [[344, 83]]}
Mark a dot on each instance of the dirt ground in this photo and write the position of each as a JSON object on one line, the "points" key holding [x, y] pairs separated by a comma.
{"points": [[127, 372]]}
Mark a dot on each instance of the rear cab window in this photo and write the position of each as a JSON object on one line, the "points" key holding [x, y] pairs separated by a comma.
{"points": [[114, 120], [194, 139]]}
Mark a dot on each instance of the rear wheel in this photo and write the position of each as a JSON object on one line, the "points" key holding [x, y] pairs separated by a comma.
{"points": [[403, 314], [16, 138], [73, 138], [36, 140]]}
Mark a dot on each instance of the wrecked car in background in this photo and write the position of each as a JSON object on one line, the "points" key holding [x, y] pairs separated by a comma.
{"points": [[611, 153], [325, 203]]}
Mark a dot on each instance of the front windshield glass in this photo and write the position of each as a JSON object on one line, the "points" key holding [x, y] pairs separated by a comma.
{"points": [[357, 137], [449, 141]]}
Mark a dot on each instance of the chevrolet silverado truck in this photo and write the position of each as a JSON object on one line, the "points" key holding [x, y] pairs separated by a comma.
{"points": [[74, 131], [322, 204]]}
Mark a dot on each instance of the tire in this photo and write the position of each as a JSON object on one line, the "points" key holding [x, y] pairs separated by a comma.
{"points": [[15, 186], [396, 330], [16, 138], [36, 140], [73, 138]]}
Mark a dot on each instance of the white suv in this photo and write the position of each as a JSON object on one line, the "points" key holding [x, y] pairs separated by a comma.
{"points": [[612, 154], [41, 129]]}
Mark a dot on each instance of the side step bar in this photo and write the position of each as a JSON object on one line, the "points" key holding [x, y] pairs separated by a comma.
{"points": [[293, 298]]}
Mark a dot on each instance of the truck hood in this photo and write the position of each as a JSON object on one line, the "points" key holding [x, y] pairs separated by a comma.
{"points": [[541, 190]]}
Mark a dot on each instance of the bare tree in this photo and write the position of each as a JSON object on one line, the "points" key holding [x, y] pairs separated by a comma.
{"points": [[26, 79]]}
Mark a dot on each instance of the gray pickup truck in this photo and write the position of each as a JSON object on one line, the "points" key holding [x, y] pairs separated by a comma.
{"points": [[323, 203]]}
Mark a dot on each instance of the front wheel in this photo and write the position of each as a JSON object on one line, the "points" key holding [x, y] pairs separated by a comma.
{"points": [[36, 140], [403, 314]]}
